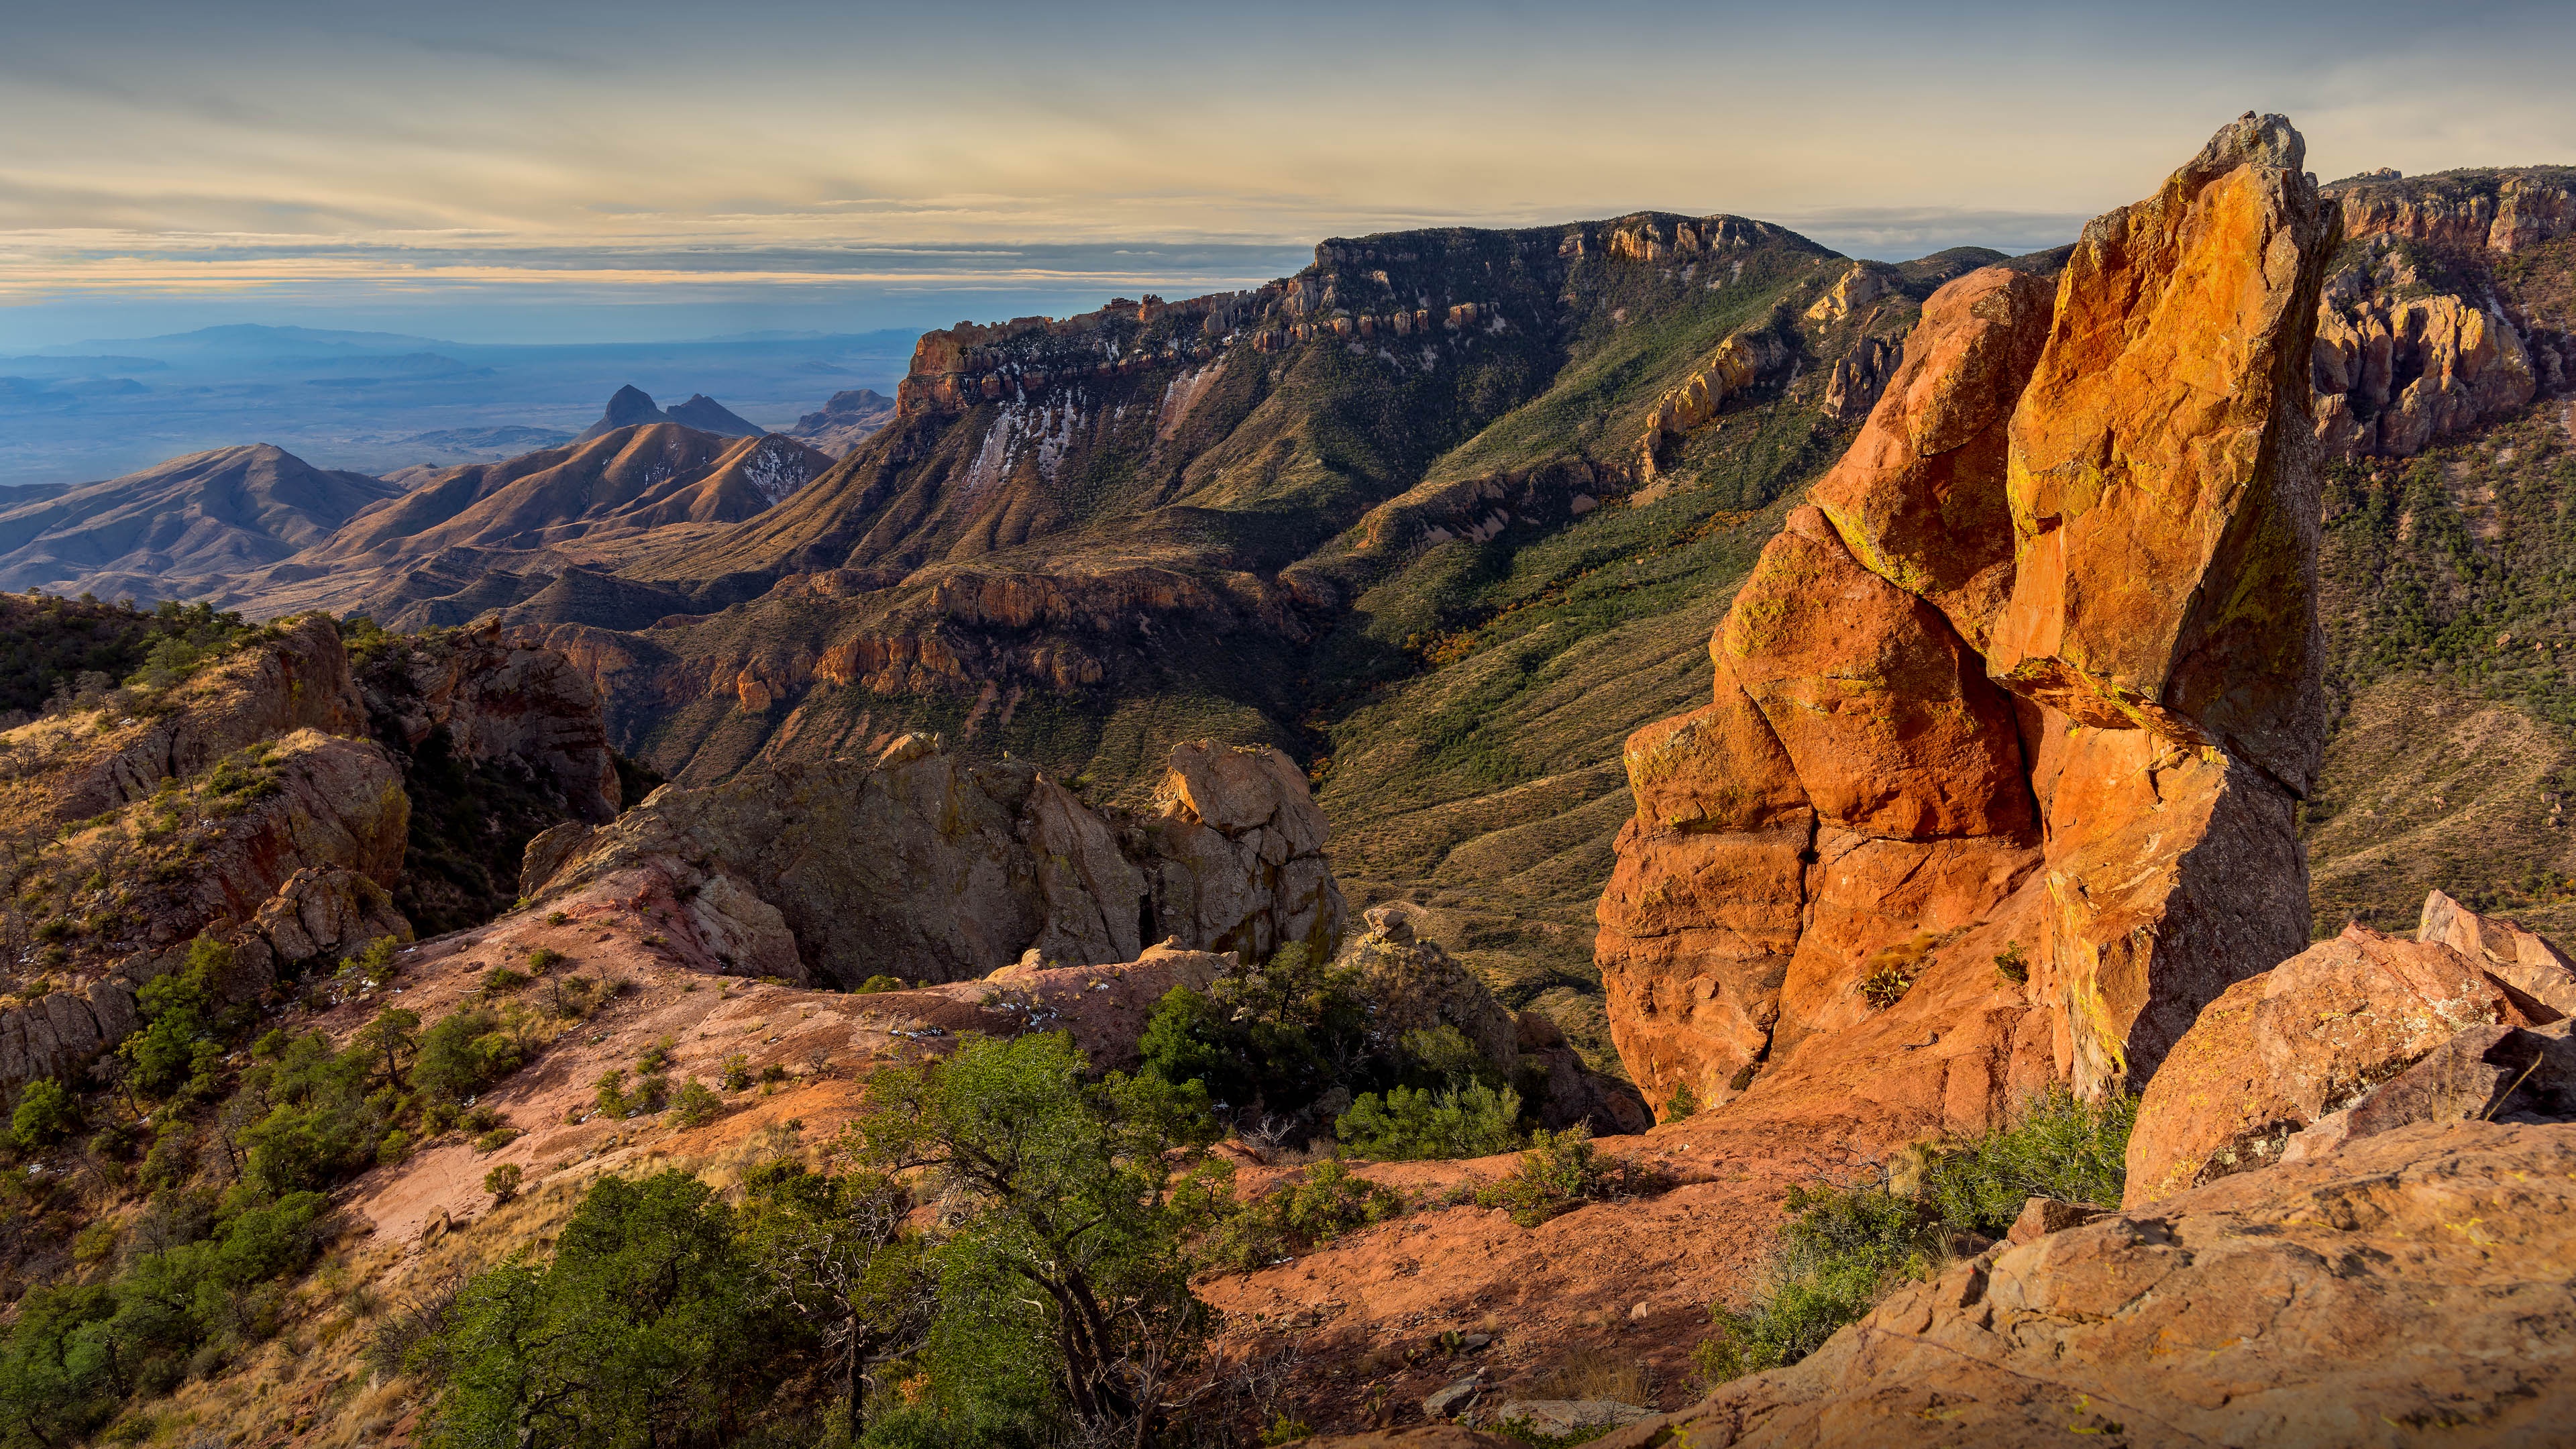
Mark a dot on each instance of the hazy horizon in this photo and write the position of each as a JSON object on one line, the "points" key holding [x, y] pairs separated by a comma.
{"points": [[596, 173]]}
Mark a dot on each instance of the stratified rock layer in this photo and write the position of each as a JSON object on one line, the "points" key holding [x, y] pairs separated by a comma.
{"points": [[2105, 504]]}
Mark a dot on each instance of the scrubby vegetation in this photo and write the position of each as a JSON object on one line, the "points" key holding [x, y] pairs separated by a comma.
{"points": [[58, 655], [1049, 1298], [205, 1180], [1845, 1248]]}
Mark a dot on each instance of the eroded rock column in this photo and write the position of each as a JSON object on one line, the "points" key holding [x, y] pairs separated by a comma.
{"points": [[2055, 611]]}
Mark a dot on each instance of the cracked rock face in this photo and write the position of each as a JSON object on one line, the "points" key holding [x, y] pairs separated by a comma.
{"points": [[2008, 728], [929, 868]]}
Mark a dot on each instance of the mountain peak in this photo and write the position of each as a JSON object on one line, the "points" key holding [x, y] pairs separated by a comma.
{"points": [[632, 405], [709, 416]]}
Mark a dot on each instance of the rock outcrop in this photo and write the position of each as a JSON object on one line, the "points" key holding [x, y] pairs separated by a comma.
{"points": [[324, 809], [926, 867], [2275, 1053], [298, 681], [1742, 361], [251, 808], [2107, 506], [2311, 1053], [2536, 976], [2393, 374], [496, 695], [2419, 1278]]}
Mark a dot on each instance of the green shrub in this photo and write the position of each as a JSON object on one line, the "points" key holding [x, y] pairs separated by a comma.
{"points": [[1327, 1202], [1411, 1123], [1559, 1172], [1276, 1036], [613, 1101], [1845, 1248], [497, 1138], [373, 966], [1441, 1056], [462, 1054], [179, 1018], [1682, 1104], [737, 1072], [656, 1057], [544, 959], [2063, 1148], [696, 1106], [395, 1147], [502, 980], [46, 1114], [503, 1182], [875, 984]]}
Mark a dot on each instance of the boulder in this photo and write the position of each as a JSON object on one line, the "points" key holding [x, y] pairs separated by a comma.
{"points": [[1919, 498], [2162, 474], [2307, 1038], [2339, 1303], [320, 914], [2537, 975]]}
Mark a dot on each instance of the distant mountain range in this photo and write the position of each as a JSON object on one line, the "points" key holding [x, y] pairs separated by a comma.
{"points": [[256, 522], [632, 405], [845, 421], [382, 402], [182, 527]]}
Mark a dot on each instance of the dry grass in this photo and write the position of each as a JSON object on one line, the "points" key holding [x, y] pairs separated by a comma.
{"points": [[1597, 1373]]}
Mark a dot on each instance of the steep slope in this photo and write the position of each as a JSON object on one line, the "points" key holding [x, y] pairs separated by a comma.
{"points": [[2444, 364], [566, 506], [175, 529]]}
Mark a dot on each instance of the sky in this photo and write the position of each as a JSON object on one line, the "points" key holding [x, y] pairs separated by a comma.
{"points": [[553, 172]]}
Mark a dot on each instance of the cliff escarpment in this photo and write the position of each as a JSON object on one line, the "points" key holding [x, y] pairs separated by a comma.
{"points": [[261, 791], [2446, 307]]}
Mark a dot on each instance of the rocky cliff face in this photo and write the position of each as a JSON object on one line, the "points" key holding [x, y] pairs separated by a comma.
{"points": [[1999, 707], [927, 867], [283, 805], [2438, 316]]}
